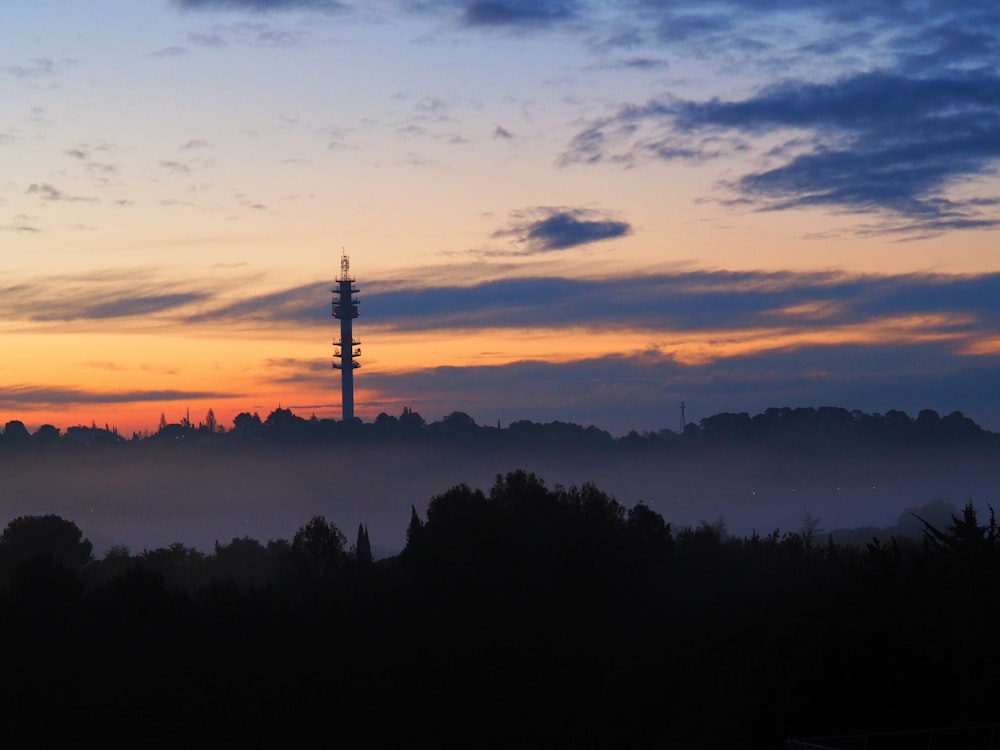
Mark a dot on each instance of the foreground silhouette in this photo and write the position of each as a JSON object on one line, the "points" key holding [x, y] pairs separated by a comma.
{"points": [[527, 616]]}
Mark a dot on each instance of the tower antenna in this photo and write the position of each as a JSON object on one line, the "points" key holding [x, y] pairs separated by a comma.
{"points": [[346, 348], [683, 421]]}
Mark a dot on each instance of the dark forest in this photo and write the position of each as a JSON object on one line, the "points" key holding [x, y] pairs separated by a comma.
{"points": [[522, 615]]}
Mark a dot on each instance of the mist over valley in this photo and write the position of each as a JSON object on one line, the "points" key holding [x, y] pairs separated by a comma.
{"points": [[199, 488]]}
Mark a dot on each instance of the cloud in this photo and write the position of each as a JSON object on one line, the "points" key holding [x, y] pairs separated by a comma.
{"points": [[887, 109], [502, 132], [175, 166], [642, 63], [192, 164], [547, 229], [519, 14], [642, 391], [213, 40], [20, 228], [953, 307], [49, 192], [136, 305], [98, 296], [697, 301], [36, 68], [877, 142], [685, 26], [105, 365], [303, 373], [307, 304], [18, 395], [691, 302], [260, 6], [691, 318], [169, 52]]}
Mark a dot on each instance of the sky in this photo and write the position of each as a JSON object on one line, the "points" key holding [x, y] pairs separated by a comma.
{"points": [[554, 209]]}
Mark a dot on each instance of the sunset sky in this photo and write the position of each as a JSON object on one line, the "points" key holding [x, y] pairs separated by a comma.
{"points": [[555, 209]]}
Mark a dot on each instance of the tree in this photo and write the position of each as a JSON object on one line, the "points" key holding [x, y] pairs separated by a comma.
{"points": [[27, 537], [46, 435], [181, 567], [15, 433], [410, 420], [317, 551], [458, 421], [210, 424], [244, 561], [363, 547], [646, 529], [413, 530]]}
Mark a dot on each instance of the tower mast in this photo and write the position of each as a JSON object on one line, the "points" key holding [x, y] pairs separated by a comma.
{"points": [[346, 348]]}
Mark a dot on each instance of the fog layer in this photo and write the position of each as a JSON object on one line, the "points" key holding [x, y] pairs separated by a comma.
{"points": [[152, 497]]}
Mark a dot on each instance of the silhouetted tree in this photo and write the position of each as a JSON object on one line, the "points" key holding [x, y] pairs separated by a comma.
{"points": [[456, 423], [46, 435], [26, 537], [385, 423], [43, 595], [414, 528], [363, 547], [15, 434], [182, 567], [410, 420], [317, 551], [246, 425], [245, 562], [116, 561], [283, 423], [648, 535]]}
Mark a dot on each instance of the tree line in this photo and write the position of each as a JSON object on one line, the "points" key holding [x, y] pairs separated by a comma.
{"points": [[787, 428], [525, 615]]}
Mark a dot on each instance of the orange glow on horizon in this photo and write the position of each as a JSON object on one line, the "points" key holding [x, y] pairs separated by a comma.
{"points": [[128, 380]]}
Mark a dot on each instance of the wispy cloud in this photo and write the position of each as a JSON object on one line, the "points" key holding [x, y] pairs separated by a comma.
{"points": [[169, 52], [48, 192], [19, 227], [13, 396], [299, 304], [260, 6], [37, 68], [792, 309], [137, 295]]}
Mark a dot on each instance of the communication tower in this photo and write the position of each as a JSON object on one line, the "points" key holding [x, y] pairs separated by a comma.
{"points": [[346, 348]]}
